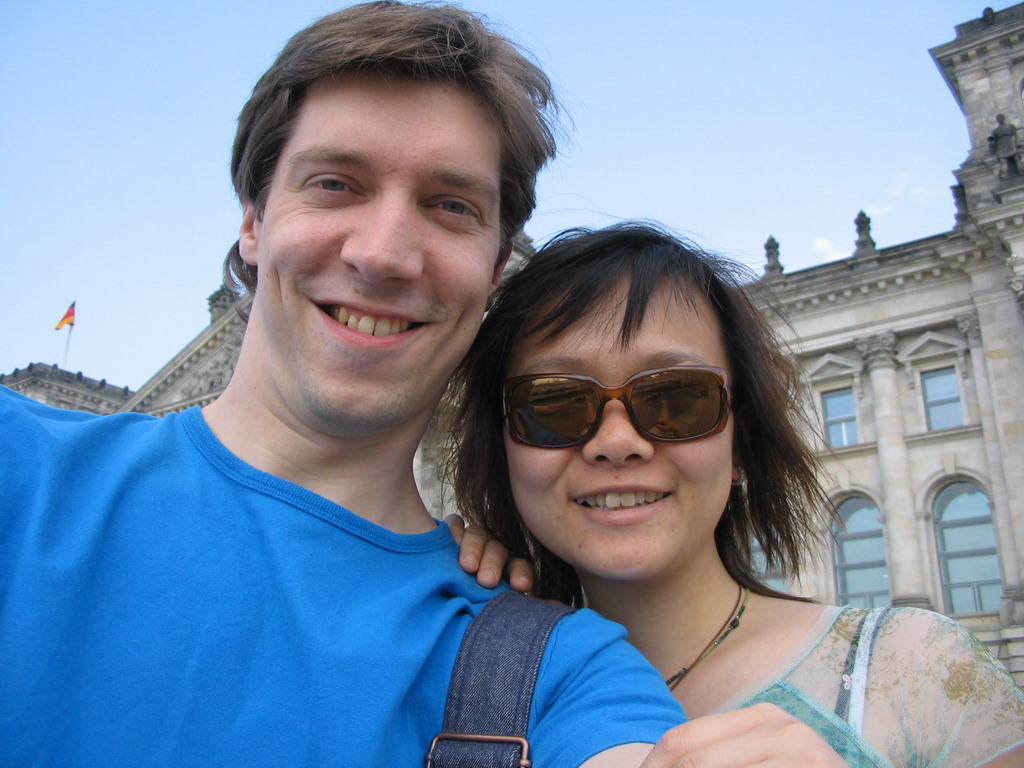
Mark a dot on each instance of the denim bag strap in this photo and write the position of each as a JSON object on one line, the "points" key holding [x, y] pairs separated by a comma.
{"points": [[491, 689]]}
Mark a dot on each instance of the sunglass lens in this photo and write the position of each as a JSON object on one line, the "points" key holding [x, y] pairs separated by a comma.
{"points": [[552, 411], [677, 404]]}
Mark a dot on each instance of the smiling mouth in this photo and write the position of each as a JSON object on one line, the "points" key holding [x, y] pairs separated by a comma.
{"points": [[368, 324], [620, 500]]}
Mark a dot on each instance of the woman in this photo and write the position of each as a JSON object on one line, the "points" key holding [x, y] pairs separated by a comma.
{"points": [[629, 422]]}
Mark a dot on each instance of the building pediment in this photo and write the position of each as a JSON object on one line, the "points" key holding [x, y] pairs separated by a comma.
{"points": [[201, 371], [831, 366], [930, 345]]}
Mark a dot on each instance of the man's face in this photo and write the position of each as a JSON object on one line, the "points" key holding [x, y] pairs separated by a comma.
{"points": [[376, 253]]}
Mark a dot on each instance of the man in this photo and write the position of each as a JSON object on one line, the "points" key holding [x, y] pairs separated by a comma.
{"points": [[259, 583]]}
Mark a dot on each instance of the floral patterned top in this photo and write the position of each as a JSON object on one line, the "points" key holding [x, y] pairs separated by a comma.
{"points": [[897, 687]]}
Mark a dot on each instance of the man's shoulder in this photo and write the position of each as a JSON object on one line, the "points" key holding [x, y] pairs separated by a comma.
{"points": [[585, 637], [39, 435], [591, 674], [15, 406]]}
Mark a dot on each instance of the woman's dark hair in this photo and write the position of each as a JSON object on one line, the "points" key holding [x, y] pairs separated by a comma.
{"points": [[571, 279]]}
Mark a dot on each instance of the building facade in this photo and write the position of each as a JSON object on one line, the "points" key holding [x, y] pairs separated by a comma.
{"points": [[63, 389], [911, 357]]}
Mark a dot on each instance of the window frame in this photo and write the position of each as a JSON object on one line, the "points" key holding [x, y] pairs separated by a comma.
{"points": [[840, 421], [841, 567], [945, 556], [929, 405]]}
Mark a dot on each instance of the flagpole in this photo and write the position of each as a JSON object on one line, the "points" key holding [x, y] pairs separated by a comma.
{"points": [[67, 346], [68, 319]]}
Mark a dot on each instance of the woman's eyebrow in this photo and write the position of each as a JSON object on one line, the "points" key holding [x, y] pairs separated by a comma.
{"points": [[574, 364]]}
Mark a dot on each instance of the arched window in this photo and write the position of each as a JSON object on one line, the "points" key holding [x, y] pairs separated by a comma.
{"points": [[967, 549], [861, 575]]}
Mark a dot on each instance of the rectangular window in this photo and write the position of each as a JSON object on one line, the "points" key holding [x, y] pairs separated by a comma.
{"points": [[840, 417], [942, 399]]}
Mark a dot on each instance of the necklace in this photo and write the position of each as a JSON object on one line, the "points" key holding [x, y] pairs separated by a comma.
{"points": [[724, 631]]}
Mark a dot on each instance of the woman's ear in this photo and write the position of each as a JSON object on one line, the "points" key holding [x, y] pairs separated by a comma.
{"points": [[739, 477]]}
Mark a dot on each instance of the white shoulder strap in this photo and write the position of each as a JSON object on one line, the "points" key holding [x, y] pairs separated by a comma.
{"points": [[859, 677]]}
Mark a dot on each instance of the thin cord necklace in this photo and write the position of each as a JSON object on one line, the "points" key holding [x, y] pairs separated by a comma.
{"points": [[724, 631]]}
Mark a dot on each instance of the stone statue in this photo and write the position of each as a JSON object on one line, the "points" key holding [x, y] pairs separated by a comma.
{"points": [[1003, 144]]}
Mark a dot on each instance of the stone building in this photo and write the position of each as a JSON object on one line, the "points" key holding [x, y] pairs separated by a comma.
{"points": [[911, 356], [63, 389]]}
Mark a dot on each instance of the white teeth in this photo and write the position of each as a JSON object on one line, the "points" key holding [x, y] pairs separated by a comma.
{"points": [[377, 326], [621, 500]]}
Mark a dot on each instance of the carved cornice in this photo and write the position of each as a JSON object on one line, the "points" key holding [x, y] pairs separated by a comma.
{"points": [[72, 390], [51, 373], [804, 292]]}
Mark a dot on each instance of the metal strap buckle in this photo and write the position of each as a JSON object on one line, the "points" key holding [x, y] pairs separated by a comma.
{"points": [[524, 745]]}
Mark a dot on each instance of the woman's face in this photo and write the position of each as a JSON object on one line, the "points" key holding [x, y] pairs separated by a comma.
{"points": [[589, 503]]}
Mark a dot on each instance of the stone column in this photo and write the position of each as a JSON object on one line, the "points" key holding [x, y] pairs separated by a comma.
{"points": [[1012, 640], [969, 326], [899, 518], [1016, 282], [1014, 239]]}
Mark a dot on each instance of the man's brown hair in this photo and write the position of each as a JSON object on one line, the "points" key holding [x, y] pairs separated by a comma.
{"points": [[426, 42]]}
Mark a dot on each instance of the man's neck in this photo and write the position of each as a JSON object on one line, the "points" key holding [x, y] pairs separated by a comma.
{"points": [[370, 476]]}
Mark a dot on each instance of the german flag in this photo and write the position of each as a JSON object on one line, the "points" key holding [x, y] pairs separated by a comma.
{"points": [[68, 319]]}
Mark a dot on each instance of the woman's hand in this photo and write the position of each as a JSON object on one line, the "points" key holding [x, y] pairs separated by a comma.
{"points": [[761, 735], [486, 557]]}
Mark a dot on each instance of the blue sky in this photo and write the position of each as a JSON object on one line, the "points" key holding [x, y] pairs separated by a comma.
{"points": [[729, 121]]}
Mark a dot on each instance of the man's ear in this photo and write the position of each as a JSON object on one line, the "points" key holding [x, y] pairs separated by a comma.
{"points": [[249, 234], [500, 266]]}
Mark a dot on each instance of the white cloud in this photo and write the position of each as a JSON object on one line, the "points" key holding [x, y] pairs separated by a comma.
{"points": [[898, 186], [827, 249]]}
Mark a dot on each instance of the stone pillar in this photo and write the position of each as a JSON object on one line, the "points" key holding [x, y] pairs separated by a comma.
{"points": [[970, 327], [1012, 640], [899, 518], [1001, 358], [1014, 239], [1016, 281]]}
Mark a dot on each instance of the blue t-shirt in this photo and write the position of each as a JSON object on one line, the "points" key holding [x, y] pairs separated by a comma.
{"points": [[162, 603]]}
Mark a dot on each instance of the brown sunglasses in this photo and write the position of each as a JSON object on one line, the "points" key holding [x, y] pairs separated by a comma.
{"points": [[560, 410]]}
